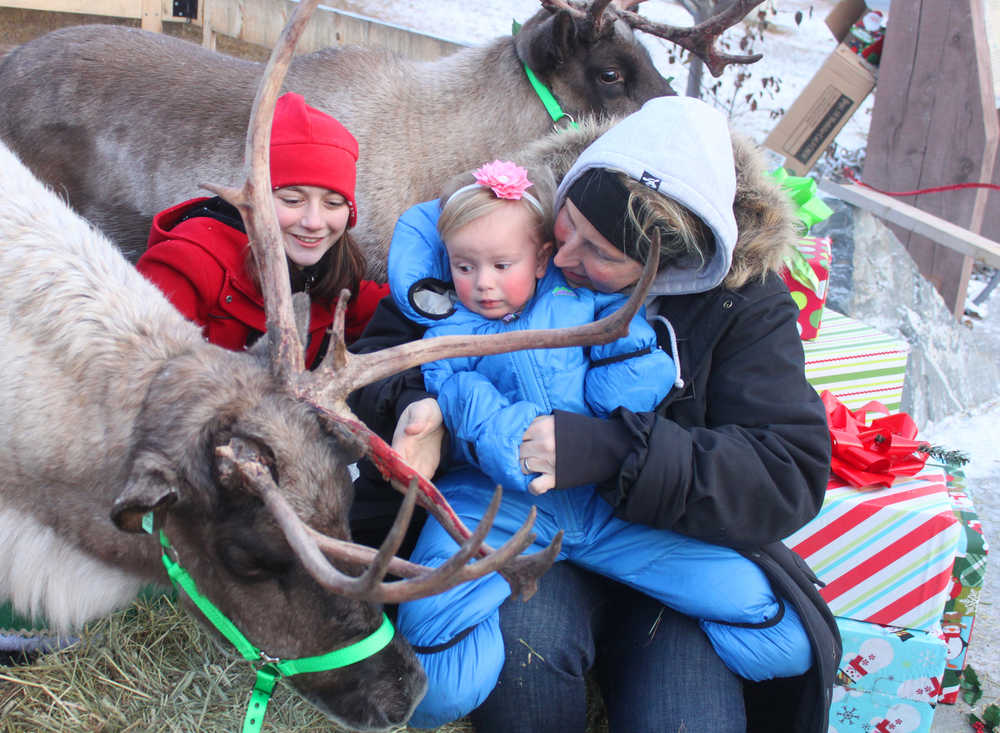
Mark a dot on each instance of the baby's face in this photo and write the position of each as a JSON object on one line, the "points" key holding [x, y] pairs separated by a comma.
{"points": [[496, 261]]}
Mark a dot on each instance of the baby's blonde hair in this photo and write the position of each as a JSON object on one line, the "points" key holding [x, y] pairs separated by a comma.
{"points": [[463, 203]]}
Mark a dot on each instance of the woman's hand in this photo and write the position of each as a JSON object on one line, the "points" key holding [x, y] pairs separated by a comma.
{"points": [[419, 436], [538, 454]]}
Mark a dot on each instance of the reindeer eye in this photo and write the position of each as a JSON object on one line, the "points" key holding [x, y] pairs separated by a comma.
{"points": [[609, 76], [252, 563]]}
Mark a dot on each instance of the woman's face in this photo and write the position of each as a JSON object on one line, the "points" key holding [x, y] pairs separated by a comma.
{"points": [[586, 258], [312, 220]]}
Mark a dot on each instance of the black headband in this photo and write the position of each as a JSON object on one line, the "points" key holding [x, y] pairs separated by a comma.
{"points": [[602, 198]]}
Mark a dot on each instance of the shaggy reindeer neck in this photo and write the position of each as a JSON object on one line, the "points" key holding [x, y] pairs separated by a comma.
{"points": [[271, 667], [544, 94]]}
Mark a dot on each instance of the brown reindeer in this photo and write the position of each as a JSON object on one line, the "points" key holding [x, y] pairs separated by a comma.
{"points": [[118, 418], [126, 123]]}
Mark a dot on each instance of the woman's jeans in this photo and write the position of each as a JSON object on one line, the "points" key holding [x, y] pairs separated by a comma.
{"points": [[657, 671]]}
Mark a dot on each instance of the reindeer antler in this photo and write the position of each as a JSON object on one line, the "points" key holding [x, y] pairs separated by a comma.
{"points": [[256, 203], [419, 581], [699, 39]]}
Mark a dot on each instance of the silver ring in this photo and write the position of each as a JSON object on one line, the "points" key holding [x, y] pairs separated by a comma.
{"points": [[524, 465]]}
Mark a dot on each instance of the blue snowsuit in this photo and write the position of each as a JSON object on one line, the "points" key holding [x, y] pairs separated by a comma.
{"points": [[488, 402]]}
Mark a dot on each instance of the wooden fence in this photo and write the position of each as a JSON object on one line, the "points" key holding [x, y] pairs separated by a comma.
{"points": [[258, 22]]}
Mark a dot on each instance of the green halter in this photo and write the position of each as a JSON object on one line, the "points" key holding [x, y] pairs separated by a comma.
{"points": [[548, 99], [272, 668]]}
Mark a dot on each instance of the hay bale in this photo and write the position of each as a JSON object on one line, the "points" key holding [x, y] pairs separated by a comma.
{"points": [[150, 667]]}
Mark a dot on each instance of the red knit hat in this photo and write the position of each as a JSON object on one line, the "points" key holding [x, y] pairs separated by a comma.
{"points": [[310, 148]]}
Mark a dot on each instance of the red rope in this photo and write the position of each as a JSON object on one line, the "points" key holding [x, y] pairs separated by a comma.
{"points": [[936, 189]]}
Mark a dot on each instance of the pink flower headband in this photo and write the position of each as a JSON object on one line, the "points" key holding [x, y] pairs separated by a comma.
{"points": [[507, 180]]}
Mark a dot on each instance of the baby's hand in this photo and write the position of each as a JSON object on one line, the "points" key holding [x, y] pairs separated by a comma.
{"points": [[419, 436]]}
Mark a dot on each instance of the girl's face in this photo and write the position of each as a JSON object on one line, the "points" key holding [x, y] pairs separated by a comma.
{"points": [[312, 220], [586, 258], [496, 260]]}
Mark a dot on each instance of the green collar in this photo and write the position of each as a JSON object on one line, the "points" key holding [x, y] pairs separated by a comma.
{"points": [[548, 99], [271, 668]]}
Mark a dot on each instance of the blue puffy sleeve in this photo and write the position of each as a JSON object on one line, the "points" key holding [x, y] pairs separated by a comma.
{"points": [[632, 372], [486, 426]]}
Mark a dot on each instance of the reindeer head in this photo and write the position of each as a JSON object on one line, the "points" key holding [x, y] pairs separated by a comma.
{"points": [[576, 45], [241, 460]]}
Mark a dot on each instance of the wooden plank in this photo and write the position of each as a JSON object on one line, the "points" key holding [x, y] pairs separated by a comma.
{"points": [[911, 219], [934, 124], [261, 21], [152, 17], [115, 8]]}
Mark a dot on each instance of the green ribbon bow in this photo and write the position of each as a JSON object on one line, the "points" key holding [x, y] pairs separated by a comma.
{"points": [[809, 207]]}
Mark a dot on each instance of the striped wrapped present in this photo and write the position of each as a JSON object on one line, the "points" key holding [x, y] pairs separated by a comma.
{"points": [[856, 363], [886, 555]]}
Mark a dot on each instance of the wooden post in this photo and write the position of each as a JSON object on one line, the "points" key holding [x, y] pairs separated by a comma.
{"points": [[207, 32], [152, 15], [934, 123]]}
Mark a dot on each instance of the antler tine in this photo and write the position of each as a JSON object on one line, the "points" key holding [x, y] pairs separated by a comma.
{"points": [[626, 4], [257, 206], [336, 354], [700, 39], [419, 581], [596, 13], [562, 5]]}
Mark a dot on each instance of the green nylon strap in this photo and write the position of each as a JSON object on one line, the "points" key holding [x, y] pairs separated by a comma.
{"points": [[548, 99], [263, 686], [551, 105], [268, 674]]}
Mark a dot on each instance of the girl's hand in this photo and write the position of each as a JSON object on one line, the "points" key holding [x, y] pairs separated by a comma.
{"points": [[538, 454], [419, 436]]}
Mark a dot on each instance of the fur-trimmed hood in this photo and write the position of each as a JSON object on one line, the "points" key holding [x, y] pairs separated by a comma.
{"points": [[765, 221]]}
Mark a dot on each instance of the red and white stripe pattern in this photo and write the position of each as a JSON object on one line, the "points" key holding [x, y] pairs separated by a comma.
{"points": [[885, 555]]}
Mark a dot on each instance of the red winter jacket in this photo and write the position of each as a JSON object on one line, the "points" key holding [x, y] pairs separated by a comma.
{"points": [[200, 265]]}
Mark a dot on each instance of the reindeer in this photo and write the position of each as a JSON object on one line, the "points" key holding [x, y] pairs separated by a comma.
{"points": [[125, 122], [121, 421]]}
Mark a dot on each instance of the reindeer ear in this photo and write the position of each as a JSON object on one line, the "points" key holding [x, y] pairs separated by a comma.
{"points": [[545, 46], [149, 489]]}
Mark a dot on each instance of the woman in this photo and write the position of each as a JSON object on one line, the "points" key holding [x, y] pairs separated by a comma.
{"points": [[738, 456], [199, 256]]}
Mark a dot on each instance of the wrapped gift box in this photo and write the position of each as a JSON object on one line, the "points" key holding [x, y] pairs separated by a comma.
{"points": [[904, 663], [859, 711], [856, 363], [807, 275], [886, 555], [966, 583]]}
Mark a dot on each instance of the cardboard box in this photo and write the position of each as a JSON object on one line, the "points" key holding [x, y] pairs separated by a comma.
{"points": [[833, 95], [886, 555], [902, 663], [807, 277], [856, 363]]}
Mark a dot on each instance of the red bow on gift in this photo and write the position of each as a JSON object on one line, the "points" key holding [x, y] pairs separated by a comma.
{"points": [[876, 454]]}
